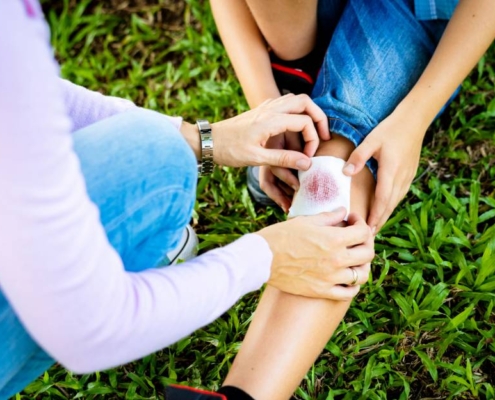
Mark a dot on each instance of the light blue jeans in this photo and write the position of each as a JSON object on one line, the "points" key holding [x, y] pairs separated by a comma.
{"points": [[142, 175], [377, 51]]}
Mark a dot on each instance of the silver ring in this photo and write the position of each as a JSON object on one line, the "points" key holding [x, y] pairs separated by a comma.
{"points": [[355, 277]]}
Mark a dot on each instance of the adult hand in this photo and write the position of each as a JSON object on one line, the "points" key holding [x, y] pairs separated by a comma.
{"points": [[396, 145], [241, 141], [312, 256]]}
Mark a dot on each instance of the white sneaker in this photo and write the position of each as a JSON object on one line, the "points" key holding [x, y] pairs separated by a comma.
{"points": [[187, 247]]}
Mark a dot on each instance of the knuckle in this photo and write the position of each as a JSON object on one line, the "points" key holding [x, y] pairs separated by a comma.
{"points": [[336, 260], [284, 160], [337, 242], [304, 97], [360, 157]]}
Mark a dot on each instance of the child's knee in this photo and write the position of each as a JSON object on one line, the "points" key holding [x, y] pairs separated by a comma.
{"points": [[338, 146]]}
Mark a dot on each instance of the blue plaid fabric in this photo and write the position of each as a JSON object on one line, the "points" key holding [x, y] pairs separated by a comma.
{"points": [[434, 9]]}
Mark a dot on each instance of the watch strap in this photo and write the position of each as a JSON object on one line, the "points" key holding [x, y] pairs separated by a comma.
{"points": [[205, 167]]}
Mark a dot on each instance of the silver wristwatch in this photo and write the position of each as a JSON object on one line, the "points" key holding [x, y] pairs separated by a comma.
{"points": [[205, 167]]}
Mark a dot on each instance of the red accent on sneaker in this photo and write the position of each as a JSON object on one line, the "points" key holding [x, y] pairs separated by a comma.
{"points": [[293, 71], [200, 391]]}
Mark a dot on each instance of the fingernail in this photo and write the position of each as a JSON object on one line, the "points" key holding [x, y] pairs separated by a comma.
{"points": [[303, 164], [348, 169], [295, 187]]}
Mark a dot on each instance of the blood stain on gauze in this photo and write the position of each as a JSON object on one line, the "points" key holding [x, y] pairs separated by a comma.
{"points": [[323, 188], [320, 187]]}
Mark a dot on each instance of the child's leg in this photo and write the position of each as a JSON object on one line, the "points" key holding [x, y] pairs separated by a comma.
{"points": [[366, 72], [292, 28], [289, 332], [288, 26]]}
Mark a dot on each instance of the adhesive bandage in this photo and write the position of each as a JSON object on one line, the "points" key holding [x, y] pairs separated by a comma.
{"points": [[323, 188]]}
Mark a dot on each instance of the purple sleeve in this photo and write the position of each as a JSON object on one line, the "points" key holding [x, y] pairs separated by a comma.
{"points": [[57, 268], [85, 107]]}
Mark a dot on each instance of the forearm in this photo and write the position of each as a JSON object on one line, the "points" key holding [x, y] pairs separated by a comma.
{"points": [[467, 37], [86, 107], [247, 50]]}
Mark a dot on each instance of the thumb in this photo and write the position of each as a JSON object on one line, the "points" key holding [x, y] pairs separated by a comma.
{"points": [[285, 159], [358, 158], [328, 218]]}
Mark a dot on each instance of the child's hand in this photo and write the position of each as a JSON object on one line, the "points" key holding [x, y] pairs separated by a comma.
{"points": [[277, 182], [396, 145]]}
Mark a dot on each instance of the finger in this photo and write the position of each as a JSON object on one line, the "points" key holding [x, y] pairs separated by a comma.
{"points": [[269, 186], [297, 123], [341, 293], [357, 255], [353, 235], [363, 273], [327, 218], [384, 189], [310, 145], [353, 275], [288, 191], [395, 199], [302, 104], [283, 158], [278, 196], [286, 176], [355, 219], [358, 158]]}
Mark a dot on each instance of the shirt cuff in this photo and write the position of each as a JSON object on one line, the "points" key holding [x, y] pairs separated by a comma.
{"points": [[254, 260]]}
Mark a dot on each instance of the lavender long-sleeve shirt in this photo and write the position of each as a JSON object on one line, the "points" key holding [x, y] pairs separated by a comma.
{"points": [[57, 268]]}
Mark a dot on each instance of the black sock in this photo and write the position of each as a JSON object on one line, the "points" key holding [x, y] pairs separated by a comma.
{"points": [[233, 393]]}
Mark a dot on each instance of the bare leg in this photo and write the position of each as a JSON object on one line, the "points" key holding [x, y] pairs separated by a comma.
{"points": [[289, 26], [289, 332]]}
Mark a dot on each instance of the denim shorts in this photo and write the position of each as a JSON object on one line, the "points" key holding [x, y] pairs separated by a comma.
{"points": [[376, 52]]}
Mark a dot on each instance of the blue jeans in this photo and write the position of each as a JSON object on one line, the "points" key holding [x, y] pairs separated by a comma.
{"points": [[377, 52], [142, 175]]}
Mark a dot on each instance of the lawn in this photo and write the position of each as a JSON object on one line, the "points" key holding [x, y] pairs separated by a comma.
{"points": [[423, 326]]}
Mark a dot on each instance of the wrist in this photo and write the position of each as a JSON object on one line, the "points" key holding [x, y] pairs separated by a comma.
{"points": [[413, 115], [191, 134], [217, 130], [415, 109]]}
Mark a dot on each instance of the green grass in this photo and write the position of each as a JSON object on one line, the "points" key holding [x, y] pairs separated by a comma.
{"points": [[424, 325]]}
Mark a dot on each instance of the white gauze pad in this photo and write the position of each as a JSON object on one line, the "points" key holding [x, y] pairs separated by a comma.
{"points": [[323, 187]]}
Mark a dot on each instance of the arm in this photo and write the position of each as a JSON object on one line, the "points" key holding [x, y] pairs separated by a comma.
{"points": [[59, 272], [85, 107], [57, 269], [467, 36], [247, 50]]}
